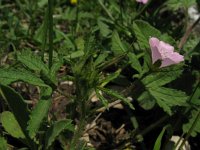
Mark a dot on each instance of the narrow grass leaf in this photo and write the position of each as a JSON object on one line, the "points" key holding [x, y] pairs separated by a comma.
{"points": [[158, 143]]}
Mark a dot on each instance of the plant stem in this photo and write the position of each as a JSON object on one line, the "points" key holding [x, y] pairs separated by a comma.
{"points": [[190, 130], [50, 27], [187, 34]]}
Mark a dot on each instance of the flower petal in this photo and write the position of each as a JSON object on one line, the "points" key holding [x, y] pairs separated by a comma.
{"points": [[154, 42], [142, 1], [166, 62], [165, 49], [176, 57]]}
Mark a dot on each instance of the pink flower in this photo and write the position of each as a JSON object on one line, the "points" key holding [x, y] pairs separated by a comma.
{"points": [[164, 52], [142, 1]]}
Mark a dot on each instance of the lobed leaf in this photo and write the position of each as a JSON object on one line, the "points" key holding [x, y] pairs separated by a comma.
{"points": [[166, 98], [7, 76], [186, 127], [143, 31], [161, 78], [32, 61], [118, 96], [135, 64], [117, 46]]}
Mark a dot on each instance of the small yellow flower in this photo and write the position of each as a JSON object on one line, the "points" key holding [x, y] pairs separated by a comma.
{"points": [[74, 2]]}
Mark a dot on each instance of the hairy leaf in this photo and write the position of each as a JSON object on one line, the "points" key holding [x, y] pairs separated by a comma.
{"points": [[161, 78], [186, 127], [11, 125], [143, 31], [176, 4], [104, 28], [32, 61], [117, 45], [135, 62], [118, 96], [8, 76], [166, 98], [56, 129]]}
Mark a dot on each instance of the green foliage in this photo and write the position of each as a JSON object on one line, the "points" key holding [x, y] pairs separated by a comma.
{"points": [[161, 78], [17, 105], [158, 143], [186, 127], [104, 28], [11, 125], [117, 46], [37, 116], [117, 95], [7, 76], [176, 4], [3, 144], [166, 98], [135, 62], [143, 31], [32, 61], [56, 129]]}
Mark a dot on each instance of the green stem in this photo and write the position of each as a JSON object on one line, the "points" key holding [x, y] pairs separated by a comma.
{"points": [[190, 130], [50, 27], [75, 144]]}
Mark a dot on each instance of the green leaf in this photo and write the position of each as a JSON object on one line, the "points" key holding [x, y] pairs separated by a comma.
{"points": [[101, 58], [32, 61], [117, 46], [16, 103], [37, 116], [3, 144], [146, 101], [103, 100], [8, 76], [135, 64], [110, 77], [186, 127], [157, 145], [56, 129], [118, 96], [176, 4], [104, 28], [143, 31], [161, 78], [167, 98], [41, 3], [11, 125]]}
